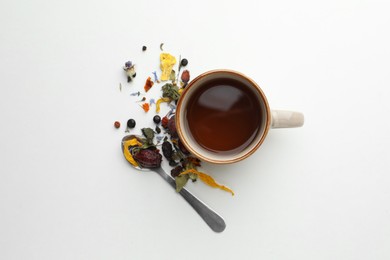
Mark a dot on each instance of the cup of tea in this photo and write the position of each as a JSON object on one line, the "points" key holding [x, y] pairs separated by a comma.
{"points": [[223, 117]]}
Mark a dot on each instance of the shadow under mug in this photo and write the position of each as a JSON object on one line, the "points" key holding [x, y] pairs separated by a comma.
{"points": [[269, 118]]}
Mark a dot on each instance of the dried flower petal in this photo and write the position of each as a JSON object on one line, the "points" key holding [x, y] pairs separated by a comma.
{"points": [[148, 84], [159, 101], [145, 107], [167, 61], [126, 152], [207, 179]]}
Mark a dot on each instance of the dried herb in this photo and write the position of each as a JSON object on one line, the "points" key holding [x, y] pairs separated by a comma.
{"points": [[148, 158], [126, 150], [172, 77], [206, 179], [161, 100], [167, 150], [135, 93], [164, 122], [129, 68], [167, 61], [149, 134], [185, 76], [145, 107], [181, 181], [148, 84], [155, 77], [176, 171], [172, 127], [171, 91]]}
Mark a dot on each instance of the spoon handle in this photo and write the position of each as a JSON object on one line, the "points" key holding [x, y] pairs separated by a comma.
{"points": [[215, 222]]}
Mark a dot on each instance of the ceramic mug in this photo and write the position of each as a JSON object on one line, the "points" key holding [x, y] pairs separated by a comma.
{"points": [[221, 96]]}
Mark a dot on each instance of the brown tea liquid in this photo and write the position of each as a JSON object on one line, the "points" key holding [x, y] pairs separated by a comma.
{"points": [[224, 116]]}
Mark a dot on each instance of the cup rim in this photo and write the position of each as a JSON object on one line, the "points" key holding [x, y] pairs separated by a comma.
{"points": [[179, 111]]}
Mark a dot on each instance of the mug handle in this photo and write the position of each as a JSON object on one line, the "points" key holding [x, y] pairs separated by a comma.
{"points": [[286, 119]]}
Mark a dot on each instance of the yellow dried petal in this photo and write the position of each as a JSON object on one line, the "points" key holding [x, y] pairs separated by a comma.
{"points": [[208, 180], [167, 61], [159, 101], [126, 152]]}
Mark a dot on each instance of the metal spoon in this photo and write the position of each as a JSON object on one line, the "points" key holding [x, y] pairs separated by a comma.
{"points": [[215, 222]]}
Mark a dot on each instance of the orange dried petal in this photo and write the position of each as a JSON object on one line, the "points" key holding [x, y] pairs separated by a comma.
{"points": [[208, 180]]}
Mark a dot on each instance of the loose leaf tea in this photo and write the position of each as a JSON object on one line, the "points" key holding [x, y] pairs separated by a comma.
{"points": [[142, 151], [171, 91]]}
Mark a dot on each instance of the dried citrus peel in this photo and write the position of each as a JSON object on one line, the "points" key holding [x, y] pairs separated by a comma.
{"points": [[159, 101], [126, 152], [207, 179]]}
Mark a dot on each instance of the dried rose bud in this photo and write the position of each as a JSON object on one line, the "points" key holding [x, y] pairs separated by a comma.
{"points": [[164, 122], [172, 127], [185, 76], [183, 148], [148, 158]]}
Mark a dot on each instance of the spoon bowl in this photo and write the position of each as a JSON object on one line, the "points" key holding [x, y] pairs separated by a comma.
{"points": [[212, 219]]}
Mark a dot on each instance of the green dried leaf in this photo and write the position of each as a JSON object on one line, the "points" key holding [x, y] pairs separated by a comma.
{"points": [[181, 181], [172, 77], [149, 134], [171, 91], [193, 176]]}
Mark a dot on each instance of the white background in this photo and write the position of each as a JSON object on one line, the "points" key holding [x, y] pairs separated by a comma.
{"points": [[317, 192]]}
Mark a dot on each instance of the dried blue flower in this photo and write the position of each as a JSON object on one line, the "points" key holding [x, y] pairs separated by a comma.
{"points": [[130, 70], [155, 77], [135, 94], [152, 101]]}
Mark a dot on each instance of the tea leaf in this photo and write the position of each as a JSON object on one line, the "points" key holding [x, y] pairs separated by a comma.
{"points": [[171, 91], [181, 181], [149, 134]]}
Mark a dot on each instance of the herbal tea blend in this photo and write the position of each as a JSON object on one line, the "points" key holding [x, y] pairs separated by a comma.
{"points": [[149, 149]]}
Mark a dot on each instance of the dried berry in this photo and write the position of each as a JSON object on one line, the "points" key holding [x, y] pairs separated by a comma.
{"points": [[148, 158], [117, 124], [182, 148], [172, 127], [157, 119], [131, 123], [157, 129], [172, 163], [144, 48], [164, 122], [167, 150], [176, 171], [185, 76], [184, 62]]}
